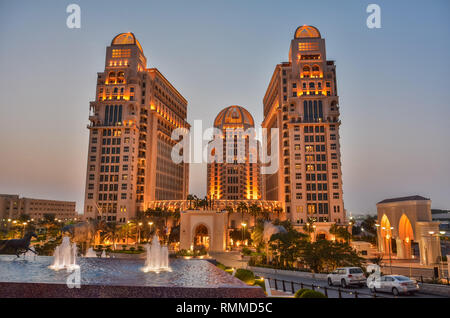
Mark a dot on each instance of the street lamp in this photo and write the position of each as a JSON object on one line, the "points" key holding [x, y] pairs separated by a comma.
{"points": [[389, 237], [243, 229], [150, 230], [138, 241]]}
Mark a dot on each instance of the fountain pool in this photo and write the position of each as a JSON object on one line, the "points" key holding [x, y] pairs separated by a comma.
{"points": [[114, 277]]}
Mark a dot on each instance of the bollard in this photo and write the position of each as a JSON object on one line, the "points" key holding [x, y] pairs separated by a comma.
{"points": [[326, 291], [276, 286], [301, 285], [312, 286], [292, 287], [356, 294], [284, 286], [339, 292]]}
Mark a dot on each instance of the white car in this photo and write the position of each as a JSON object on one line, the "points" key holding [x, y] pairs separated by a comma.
{"points": [[347, 276], [395, 284]]}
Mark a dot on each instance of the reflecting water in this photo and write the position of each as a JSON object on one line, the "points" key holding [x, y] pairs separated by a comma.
{"points": [[124, 272]]}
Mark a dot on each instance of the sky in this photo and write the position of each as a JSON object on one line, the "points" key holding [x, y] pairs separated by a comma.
{"points": [[392, 83]]}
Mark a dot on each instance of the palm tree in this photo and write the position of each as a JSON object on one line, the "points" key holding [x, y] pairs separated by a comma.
{"points": [[278, 210], [112, 233], [340, 232], [255, 211], [190, 198], [242, 207]]}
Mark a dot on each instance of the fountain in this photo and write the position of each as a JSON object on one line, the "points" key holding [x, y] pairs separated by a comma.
{"points": [[90, 253], [65, 255], [157, 257]]}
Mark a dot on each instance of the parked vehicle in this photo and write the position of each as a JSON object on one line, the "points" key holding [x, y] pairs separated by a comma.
{"points": [[395, 284], [347, 276]]}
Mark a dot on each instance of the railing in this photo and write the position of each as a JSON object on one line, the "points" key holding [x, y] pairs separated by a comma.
{"points": [[291, 287]]}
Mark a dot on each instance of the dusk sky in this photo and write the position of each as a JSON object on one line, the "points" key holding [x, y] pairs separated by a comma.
{"points": [[392, 82]]}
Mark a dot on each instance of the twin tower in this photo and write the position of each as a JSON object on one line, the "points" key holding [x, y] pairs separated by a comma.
{"points": [[136, 108]]}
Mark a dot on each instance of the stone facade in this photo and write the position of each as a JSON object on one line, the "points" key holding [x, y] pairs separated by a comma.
{"points": [[207, 228], [407, 220], [135, 111], [302, 102]]}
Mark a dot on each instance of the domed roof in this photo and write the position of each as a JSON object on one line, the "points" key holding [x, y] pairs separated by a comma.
{"points": [[125, 39], [307, 31], [234, 117]]}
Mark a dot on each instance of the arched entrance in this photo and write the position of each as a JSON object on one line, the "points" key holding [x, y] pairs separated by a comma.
{"points": [[406, 236], [201, 236], [386, 234]]}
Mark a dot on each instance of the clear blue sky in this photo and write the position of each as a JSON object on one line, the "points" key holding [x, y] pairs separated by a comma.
{"points": [[393, 84]]}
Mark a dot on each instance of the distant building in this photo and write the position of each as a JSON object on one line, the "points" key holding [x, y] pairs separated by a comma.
{"points": [[12, 207], [135, 111]]}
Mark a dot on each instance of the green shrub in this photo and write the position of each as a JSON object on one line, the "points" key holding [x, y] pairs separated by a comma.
{"points": [[124, 247], [245, 275], [246, 251], [312, 294], [132, 248], [299, 292], [260, 282], [221, 266]]}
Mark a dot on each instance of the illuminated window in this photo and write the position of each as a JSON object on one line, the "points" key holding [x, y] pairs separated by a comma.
{"points": [[117, 53], [308, 46]]}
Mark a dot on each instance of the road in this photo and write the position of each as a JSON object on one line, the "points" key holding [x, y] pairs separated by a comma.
{"points": [[333, 292]]}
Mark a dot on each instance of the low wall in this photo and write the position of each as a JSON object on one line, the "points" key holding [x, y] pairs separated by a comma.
{"points": [[288, 273], [43, 290], [435, 289]]}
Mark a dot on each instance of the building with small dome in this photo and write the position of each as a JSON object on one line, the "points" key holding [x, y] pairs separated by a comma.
{"points": [[234, 174], [302, 101], [129, 166]]}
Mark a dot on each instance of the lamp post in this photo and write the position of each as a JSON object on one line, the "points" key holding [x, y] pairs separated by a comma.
{"points": [[150, 230], [314, 233], [378, 242], [243, 230], [139, 231], [128, 230]]}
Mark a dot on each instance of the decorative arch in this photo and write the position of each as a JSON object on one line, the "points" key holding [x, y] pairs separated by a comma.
{"points": [[201, 235], [406, 236], [386, 234]]}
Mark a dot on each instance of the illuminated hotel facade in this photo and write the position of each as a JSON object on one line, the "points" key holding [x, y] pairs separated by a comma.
{"points": [[303, 103], [131, 121], [239, 177]]}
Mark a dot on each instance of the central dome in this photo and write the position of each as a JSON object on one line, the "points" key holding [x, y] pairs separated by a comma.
{"points": [[126, 38], [307, 31], [234, 117]]}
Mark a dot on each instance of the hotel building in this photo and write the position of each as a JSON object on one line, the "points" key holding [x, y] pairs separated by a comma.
{"points": [[129, 162], [12, 207], [237, 178], [302, 102]]}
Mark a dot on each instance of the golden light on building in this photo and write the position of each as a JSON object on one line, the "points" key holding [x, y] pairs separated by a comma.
{"points": [[304, 93], [128, 95]]}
